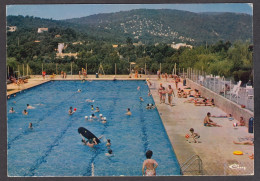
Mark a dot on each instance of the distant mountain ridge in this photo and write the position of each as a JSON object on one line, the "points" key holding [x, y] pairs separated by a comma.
{"points": [[164, 25]]}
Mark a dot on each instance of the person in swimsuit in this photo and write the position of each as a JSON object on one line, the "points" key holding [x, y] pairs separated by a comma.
{"points": [[109, 153], [30, 125], [241, 122], [108, 144], [141, 99], [25, 112], [128, 112], [193, 135], [170, 92], [160, 92], [244, 143], [209, 122], [97, 109], [149, 164], [164, 95], [12, 110], [30, 107], [71, 111]]}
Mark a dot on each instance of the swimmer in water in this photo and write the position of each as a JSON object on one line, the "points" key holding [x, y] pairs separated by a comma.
{"points": [[86, 118], [30, 107], [108, 144], [93, 116], [109, 153], [92, 108], [89, 100], [138, 88], [30, 125], [71, 111], [101, 117], [12, 110], [149, 164], [141, 99], [8, 97], [97, 109], [25, 112], [79, 90], [128, 112], [104, 120]]}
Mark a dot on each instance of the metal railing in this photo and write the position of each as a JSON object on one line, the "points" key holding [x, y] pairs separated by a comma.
{"points": [[192, 165]]}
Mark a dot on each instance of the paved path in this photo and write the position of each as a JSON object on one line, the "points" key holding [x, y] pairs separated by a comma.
{"points": [[216, 147]]}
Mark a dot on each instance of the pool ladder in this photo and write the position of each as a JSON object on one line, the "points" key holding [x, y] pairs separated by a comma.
{"points": [[192, 162]]}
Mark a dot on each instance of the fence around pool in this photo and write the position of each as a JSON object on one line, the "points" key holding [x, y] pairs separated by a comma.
{"points": [[234, 91]]}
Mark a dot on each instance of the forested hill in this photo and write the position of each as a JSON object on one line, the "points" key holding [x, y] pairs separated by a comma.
{"points": [[151, 26]]}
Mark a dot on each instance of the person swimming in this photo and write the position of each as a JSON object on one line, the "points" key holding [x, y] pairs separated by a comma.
{"points": [[109, 153], [89, 100], [79, 90], [93, 116], [150, 106], [92, 107], [71, 111], [97, 109], [86, 118], [12, 110], [108, 144], [104, 120], [30, 126], [25, 112], [141, 99], [30, 107], [128, 112]]}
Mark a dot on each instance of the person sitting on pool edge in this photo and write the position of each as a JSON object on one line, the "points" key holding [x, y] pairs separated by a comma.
{"points": [[149, 164], [25, 112], [128, 112], [209, 122], [241, 122]]}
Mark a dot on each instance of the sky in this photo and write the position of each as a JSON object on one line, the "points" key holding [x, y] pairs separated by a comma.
{"points": [[59, 12]]}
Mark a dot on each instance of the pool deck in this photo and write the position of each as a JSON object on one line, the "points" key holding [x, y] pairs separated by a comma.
{"points": [[216, 147]]}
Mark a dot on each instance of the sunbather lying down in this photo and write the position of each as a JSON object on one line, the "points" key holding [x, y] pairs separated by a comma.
{"points": [[244, 143], [205, 102], [209, 122]]}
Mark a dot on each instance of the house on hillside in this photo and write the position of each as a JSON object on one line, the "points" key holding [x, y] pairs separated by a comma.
{"points": [[41, 30], [11, 28], [115, 46], [178, 45]]}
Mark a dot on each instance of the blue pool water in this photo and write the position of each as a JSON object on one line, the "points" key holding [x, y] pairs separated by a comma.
{"points": [[54, 148]]}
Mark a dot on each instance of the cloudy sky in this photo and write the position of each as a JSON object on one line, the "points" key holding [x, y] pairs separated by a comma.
{"points": [[68, 11]]}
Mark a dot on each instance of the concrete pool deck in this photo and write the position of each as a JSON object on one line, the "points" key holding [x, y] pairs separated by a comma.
{"points": [[216, 147]]}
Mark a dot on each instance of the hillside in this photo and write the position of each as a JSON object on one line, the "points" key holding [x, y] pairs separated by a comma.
{"points": [[151, 26]]}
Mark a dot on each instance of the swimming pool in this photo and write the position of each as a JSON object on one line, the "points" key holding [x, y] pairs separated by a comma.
{"points": [[54, 148]]}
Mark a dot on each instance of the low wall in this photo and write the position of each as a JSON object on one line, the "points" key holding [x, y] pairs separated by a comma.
{"points": [[223, 103]]}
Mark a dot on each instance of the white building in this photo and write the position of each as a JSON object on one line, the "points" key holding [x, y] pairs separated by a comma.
{"points": [[41, 30], [11, 28]]}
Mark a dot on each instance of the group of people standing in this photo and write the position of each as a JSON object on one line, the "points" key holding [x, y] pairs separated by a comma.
{"points": [[162, 93]]}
